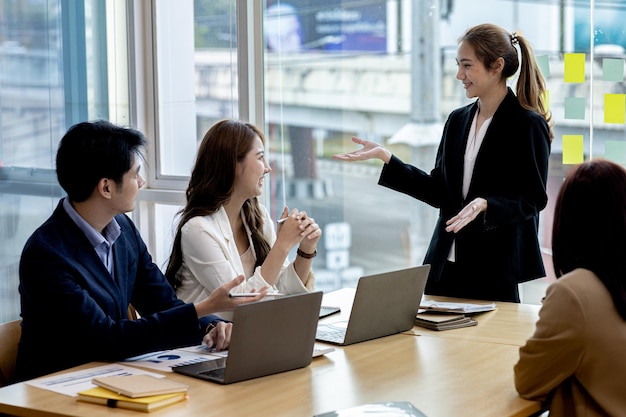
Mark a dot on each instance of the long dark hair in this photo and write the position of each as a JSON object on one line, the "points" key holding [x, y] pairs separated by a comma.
{"points": [[212, 184], [491, 42], [589, 229]]}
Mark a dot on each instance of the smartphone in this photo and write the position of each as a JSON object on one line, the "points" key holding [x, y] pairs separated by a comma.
{"points": [[254, 294]]}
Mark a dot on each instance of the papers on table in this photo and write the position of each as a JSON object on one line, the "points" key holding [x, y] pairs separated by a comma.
{"points": [[455, 308], [441, 315], [388, 409], [71, 383], [320, 350], [164, 360]]}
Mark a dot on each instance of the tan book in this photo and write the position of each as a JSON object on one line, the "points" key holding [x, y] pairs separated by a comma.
{"points": [[102, 396], [137, 386]]}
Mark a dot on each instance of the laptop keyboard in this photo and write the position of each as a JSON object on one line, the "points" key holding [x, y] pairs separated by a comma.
{"points": [[215, 373], [331, 334]]}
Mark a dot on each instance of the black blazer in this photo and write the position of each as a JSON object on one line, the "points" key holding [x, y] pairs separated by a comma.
{"points": [[510, 173], [73, 311]]}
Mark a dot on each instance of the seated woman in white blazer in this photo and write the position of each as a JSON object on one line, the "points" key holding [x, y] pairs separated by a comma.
{"points": [[224, 231]]}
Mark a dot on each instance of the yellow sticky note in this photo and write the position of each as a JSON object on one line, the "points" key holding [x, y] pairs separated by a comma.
{"points": [[614, 108], [573, 149], [546, 98], [574, 70]]}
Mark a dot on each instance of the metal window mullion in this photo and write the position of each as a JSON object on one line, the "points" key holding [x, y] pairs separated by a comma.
{"points": [[250, 68], [74, 61]]}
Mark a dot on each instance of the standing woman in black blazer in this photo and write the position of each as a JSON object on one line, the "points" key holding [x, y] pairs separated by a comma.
{"points": [[489, 179]]}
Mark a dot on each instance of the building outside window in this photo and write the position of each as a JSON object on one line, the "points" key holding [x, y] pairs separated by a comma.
{"points": [[311, 74]]}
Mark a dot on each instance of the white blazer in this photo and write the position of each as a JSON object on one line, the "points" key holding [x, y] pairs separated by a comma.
{"points": [[211, 258]]}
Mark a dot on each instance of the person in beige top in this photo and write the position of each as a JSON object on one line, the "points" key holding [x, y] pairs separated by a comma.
{"points": [[224, 231], [575, 361]]}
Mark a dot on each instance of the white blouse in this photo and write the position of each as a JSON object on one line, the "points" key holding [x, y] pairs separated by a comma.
{"points": [[474, 141]]}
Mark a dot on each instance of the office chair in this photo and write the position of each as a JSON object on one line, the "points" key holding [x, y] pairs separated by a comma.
{"points": [[10, 335]]}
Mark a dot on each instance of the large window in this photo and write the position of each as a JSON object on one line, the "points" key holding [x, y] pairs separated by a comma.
{"points": [[383, 71], [57, 66], [311, 74]]}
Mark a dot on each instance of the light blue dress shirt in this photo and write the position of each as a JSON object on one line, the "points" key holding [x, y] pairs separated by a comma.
{"points": [[102, 242]]}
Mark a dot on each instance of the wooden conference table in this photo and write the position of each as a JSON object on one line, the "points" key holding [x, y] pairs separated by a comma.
{"points": [[460, 372]]}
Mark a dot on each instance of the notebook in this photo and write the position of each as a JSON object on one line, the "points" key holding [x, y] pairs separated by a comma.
{"points": [[268, 337], [326, 311], [384, 304]]}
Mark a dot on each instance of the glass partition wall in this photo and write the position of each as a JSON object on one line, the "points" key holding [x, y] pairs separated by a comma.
{"points": [[311, 74]]}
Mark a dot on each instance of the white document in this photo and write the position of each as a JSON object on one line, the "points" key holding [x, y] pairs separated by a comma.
{"points": [[71, 383], [457, 308], [320, 350], [165, 359]]}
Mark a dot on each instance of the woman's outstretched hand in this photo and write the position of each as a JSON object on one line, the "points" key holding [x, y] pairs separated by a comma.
{"points": [[369, 150]]}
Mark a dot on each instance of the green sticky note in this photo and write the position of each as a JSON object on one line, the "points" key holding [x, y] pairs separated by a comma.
{"points": [[614, 108], [544, 65], [573, 149], [615, 150], [574, 70], [575, 108], [613, 69]]}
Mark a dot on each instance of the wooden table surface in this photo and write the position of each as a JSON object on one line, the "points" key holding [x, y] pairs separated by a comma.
{"points": [[461, 372], [510, 323]]}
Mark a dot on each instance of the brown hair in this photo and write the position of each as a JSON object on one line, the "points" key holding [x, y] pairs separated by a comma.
{"points": [[589, 229], [491, 42], [212, 183]]}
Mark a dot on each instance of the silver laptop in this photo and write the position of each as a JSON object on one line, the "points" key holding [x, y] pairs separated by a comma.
{"points": [[384, 304], [268, 337]]}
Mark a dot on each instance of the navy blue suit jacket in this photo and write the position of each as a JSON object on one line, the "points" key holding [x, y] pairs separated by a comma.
{"points": [[73, 311], [510, 172]]}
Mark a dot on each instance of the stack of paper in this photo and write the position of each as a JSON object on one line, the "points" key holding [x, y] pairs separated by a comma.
{"points": [[435, 321], [447, 307]]}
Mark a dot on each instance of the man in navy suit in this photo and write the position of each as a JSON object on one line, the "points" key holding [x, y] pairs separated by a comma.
{"points": [[83, 267]]}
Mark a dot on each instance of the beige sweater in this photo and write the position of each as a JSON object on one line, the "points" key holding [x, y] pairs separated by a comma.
{"points": [[578, 351]]}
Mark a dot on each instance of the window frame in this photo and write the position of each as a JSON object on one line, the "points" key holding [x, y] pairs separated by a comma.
{"points": [[168, 189]]}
